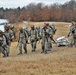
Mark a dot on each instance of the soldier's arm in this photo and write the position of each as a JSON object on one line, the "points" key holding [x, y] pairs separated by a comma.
{"points": [[4, 41], [70, 31], [37, 34], [29, 32], [69, 34], [18, 36], [26, 35], [11, 35]]}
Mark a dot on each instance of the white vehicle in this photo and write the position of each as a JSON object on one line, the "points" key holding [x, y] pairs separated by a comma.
{"points": [[3, 21], [2, 27], [62, 41]]}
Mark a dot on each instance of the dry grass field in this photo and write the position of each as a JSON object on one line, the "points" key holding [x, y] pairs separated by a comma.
{"points": [[60, 61]]}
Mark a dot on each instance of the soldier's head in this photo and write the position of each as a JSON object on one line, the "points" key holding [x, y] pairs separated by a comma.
{"points": [[6, 27], [24, 28], [11, 27], [35, 27], [32, 27], [38, 27], [75, 24], [21, 30], [72, 23], [1, 33], [6, 23], [46, 24]]}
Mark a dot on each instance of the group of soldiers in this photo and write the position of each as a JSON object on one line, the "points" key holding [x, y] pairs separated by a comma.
{"points": [[35, 34], [32, 36], [45, 34]]}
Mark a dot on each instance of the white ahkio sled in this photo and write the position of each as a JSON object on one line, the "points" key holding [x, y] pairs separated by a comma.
{"points": [[62, 41]]}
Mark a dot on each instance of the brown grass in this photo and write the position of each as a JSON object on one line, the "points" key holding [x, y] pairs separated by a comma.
{"points": [[60, 61]]}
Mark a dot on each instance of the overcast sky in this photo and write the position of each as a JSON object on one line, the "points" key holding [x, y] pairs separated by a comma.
{"points": [[21, 3]]}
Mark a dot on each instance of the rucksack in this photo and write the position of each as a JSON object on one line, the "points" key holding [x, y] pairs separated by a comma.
{"points": [[7, 40], [25, 30], [1, 43], [53, 28]]}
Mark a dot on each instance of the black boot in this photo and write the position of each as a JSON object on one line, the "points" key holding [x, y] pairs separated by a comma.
{"points": [[7, 54], [45, 52], [42, 51], [25, 52], [25, 49], [19, 53], [4, 54], [33, 50]]}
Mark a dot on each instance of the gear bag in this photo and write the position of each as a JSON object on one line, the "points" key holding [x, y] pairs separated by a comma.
{"points": [[7, 40]]}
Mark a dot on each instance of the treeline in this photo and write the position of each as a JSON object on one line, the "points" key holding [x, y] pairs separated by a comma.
{"points": [[41, 12]]}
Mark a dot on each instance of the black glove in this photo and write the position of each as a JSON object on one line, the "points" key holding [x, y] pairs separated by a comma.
{"points": [[36, 39], [73, 31], [11, 40], [68, 35], [40, 37], [18, 40], [26, 41]]}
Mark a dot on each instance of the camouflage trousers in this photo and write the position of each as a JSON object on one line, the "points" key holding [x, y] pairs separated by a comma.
{"points": [[75, 41], [3, 50], [46, 45], [33, 44], [24, 47], [71, 41]]}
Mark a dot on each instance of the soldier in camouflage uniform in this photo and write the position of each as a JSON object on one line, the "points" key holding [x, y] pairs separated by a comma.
{"points": [[3, 45], [13, 30], [9, 37], [38, 34], [71, 34], [46, 35], [33, 38], [43, 39], [22, 39], [74, 35]]}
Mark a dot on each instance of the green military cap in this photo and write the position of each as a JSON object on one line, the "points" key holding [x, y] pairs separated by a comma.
{"points": [[20, 28], [32, 26], [6, 26], [46, 23]]}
